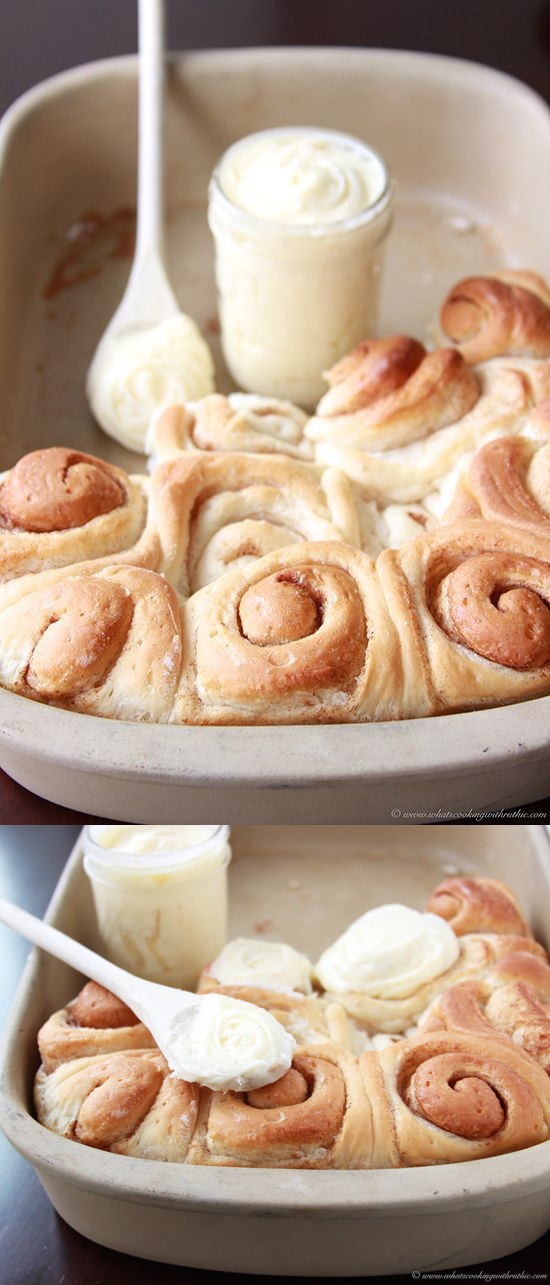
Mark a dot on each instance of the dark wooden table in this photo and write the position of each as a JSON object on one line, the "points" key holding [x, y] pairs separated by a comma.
{"points": [[36, 1246], [37, 41]]}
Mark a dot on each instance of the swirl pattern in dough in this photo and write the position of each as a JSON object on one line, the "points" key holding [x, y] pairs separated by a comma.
{"points": [[239, 422], [508, 313], [301, 636], [508, 481], [477, 595], [219, 512], [100, 640], [444, 1097], [58, 506], [126, 1102]]}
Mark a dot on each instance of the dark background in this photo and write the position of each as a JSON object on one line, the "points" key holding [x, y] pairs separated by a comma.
{"points": [[41, 37]]}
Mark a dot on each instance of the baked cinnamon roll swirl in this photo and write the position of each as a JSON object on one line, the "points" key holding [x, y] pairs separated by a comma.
{"points": [[217, 512], [507, 481], [477, 595], [446, 1097], [240, 422], [390, 392], [479, 906], [301, 636], [316, 1116], [126, 1102], [58, 506], [96, 1022], [505, 313], [105, 641], [514, 1013], [450, 422]]}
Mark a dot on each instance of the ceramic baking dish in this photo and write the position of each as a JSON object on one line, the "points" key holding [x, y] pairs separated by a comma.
{"points": [[305, 884], [462, 140]]}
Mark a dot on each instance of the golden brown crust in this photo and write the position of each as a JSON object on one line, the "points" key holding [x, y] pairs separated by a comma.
{"points": [[106, 641], [507, 481], [478, 906], [125, 1102], [390, 392], [303, 635], [315, 1117], [216, 512], [59, 506], [96, 1022], [478, 595], [505, 313], [449, 1097], [236, 423]]}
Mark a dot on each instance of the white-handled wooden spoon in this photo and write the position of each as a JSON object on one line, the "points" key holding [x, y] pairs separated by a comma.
{"points": [[206, 1039], [151, 355]]}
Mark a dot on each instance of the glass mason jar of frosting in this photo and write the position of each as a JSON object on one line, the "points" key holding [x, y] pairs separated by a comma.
{"points": [[299, 217], [160, 894]]}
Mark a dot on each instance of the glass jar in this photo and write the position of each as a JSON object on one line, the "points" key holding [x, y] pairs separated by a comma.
{"points": [[160, 894], [294, 297]]}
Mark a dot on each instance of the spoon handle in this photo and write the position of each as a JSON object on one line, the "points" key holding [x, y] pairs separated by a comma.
{"points": [[65, 948], [150, 205]]}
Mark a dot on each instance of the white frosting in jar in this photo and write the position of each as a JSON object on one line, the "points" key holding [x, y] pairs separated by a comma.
{"points": [[228, 1044], [150, 838], [139, 372], [299, 217], [302, 177], [270, 965], [388, 953], [160, 896]]}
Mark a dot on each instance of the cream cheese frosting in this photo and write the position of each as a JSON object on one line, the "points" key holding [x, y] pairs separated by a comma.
{"points": [[137, 373], [227, 1043], [388, 953], [302, 177], [268, 964]]}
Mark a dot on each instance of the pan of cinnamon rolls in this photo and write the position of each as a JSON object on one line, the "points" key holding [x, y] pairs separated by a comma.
{"points": [[386, 558], [422, 1038]]}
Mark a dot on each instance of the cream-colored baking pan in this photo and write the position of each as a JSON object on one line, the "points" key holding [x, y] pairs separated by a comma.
{"points": [[304, 884], [470, 149]]}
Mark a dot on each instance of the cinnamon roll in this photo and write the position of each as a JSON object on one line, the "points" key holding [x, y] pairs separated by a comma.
{"points": [[514, 1013], [435, 428], [479, 906], [476, 595], [59, 506], [127, 1102], [96, 1022], [507, 481], [390, 392], [505, 313], [217, 512], [301, 636], [240, 422], [446, 1097], [105, 641], [316, 1116]]}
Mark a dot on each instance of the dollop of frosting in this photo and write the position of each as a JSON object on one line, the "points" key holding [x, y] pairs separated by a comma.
{"points": [[270, 965], [302, 177], [227, 1043], [140, 372], [388, 953]]}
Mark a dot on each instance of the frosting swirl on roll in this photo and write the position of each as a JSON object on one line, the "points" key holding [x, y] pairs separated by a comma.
{"points": [[228, 1044], [268, 964], [388, 953]]}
